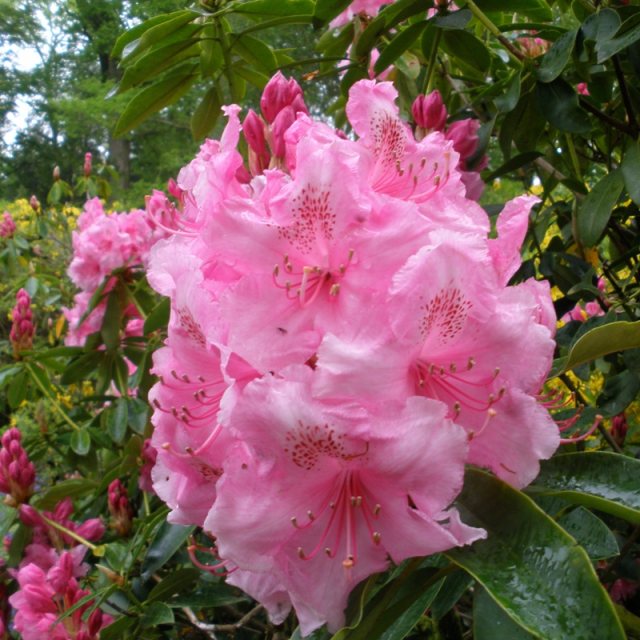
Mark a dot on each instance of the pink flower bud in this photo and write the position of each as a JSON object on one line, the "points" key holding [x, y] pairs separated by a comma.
{"points": [[92, 529], [464, 135], [87, 164], [17, 473], [279, 94], [22, 329], [283, 121], [119, 507], [254, 133], [61, 574], [583, 89], [56, 173], [619, 428], [29, 516], [35, 203], [148, 455], [429, 112], [7, 226]]}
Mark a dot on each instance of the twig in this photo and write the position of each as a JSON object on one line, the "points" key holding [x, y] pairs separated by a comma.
{"points": [[616, 124], [210, 629], [626, 98]]}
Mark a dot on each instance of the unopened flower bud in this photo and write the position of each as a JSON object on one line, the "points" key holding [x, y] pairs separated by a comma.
{"points": [[283, 121], [464, 135], [429, 112], [619, 428], [92, 529], [119, 507], [7, 226], [148, 455], [279, 94], [17, 473], [35, 203], [22, 329], [56, 173], [87, 164], [253, 128]]}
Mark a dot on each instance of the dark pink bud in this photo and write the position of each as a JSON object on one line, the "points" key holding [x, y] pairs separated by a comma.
{"points": [[429, 112], [254, 133], [464, 135], [22, 329], [35, 203], [91, 529], [29, 516], [7, 226], [619, 428], [87, 164], [283, 121], [279, 94], [61, 574], [95, 622]]}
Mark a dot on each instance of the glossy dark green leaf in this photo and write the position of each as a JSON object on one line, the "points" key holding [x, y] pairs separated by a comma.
{"points": [[138, 414], [153, 98], [509, 99], [136, 32], [117, 630], [608, 48], [256, 52], [168, 540], [279, 8], [82, 367], [602, 340], [157, 613], [522, 126], [601, 26], [161, 33], [534, 9], [116, 420], [596, 479], [156, 61], [591, 533], [326, 10], [595, 210], [521, 160], [453, 586], [558, 102], [203, 121], [490, 622], [468, 49], [619, 391], [530, 566], [73, 488], [211, 52], [7, 372], [110, 329], [455, 20], [212, 595], [396, 12], [174, 583], [400, 43], [81, 442], [368, 38], [630, 168], [556, 59]]}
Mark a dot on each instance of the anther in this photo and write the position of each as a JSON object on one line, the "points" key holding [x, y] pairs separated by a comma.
{"points": [[376, 510], [335, 289], [496, 372], [166, 446], [310, 515], [327, 550], [294, 521], [456, 409], [276, 271], [471, 363], [376, 537], [452, 367], [301, 553], [348, 562]]}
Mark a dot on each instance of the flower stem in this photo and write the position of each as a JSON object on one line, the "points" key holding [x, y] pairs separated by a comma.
{"points": [[71, 534]]}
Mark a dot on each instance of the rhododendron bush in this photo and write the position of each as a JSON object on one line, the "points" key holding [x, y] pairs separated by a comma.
{"points": [[363, 370]]}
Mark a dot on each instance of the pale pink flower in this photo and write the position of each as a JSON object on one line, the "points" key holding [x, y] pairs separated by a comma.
{"points": [[334, 491]]}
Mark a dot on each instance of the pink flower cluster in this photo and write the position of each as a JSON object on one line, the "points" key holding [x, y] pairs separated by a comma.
{"points": [[342, 340], [22, 329], [430, 114], [17, 473], [103, 243], [7, 226]]}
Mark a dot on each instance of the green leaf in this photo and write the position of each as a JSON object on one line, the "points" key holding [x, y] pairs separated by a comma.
{"points": [[630, 168], [595, 210], [507, 101], [558, 102], [110, 329], [400, 43], [138, 412], [256, 53], [522, 126], [153, 98], [73, 488], [591, 533], [82, 367], [596, 479], [490, 622], [17, 391], [514, 163], [159, 317], [203, 121], [468, 49], [368, 38], [601, 26], [161, 33], [537, 10], [602, 340], [455, 20], [81, 442], [117, 629], [156, 61], [530, 566], [608, 48], [7, 372], [325, 10], [157, 613], [555, 60], [136, 32], [174, 583], [279, 8], [116, 420], [167, 541]]}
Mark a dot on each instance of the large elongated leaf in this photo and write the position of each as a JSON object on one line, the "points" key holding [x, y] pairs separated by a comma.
{"points": [[530, 566], [602, 340], [591, 533], [595, 210], [597, 479], [158, 95], [608, 48], [558, 102], [533, 9], [630, 168], [136, 32], [325, 10], [555, 60], [279, 8], [490, 622], [399, 45]]}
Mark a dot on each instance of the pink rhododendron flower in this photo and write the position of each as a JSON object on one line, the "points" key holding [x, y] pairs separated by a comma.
{"points": [[17, 473], [22, 328], [7, 226], [343, 339]]}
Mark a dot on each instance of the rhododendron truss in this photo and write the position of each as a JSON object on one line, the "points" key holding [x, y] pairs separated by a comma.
{"points": [[343, 340]]}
